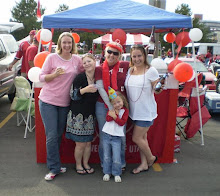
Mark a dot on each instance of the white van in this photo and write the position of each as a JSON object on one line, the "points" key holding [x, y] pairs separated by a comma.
{"points": [[202, 48]]}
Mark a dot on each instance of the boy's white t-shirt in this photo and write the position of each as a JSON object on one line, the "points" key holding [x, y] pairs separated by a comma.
{"points": [[142, 104], [112, 128]]}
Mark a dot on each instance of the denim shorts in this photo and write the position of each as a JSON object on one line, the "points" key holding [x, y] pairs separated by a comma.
{"points": [[142, 123]]}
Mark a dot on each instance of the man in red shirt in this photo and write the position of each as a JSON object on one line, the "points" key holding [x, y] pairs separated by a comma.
{"points": [[30, 54], [21, 53]]}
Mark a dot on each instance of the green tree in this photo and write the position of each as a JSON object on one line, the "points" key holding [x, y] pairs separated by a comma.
{"points": [[62, 7], [25, 12], [183, 9]]}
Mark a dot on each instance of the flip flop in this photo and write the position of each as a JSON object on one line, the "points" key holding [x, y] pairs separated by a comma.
{"points": [[81, 171], [153, 162], [90, 170], [139, 171]]}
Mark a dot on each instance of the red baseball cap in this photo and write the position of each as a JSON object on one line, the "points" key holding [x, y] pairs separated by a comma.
{"points": [[32, 32]]}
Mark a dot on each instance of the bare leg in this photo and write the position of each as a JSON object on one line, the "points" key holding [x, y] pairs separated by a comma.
{"points": [[140, 138], [79, 151], [86, 156]]}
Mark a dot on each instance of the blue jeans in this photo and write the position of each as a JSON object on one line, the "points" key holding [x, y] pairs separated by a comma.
{"points": [[54, 120], [112, 154], [101, 112]]}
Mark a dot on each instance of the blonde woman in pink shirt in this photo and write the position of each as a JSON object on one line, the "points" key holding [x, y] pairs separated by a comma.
{"points": [[58, 73]]}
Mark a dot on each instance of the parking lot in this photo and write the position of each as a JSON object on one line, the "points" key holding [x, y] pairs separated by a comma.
{"points": [[196, 170]]}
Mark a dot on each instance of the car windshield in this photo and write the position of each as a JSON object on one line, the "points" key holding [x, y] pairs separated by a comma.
{"points": [[199, 66], [11, 43]]}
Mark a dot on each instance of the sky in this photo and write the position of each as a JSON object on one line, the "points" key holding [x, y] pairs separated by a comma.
{"points": [[209, 9]]}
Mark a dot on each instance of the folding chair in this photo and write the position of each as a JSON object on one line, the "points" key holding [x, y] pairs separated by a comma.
{"points": [[193, 123], [21, 103], [183, 109]]}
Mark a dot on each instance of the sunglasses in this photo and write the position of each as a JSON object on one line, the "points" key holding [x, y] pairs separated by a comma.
{"points": [[115, 53]]}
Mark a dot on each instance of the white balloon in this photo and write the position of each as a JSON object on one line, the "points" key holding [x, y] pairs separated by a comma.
{"points": [[159, 64], [193, 76], [165, 37], [46, 35], [195, 34], [33, 74]]}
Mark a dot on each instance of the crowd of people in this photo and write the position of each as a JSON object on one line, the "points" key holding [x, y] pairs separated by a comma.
{"points": [[77, 94]]}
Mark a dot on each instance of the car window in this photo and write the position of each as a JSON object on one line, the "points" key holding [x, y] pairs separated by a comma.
{"points": [[198, 66], [128, 58], [2, 50], [149, 58], [11, 43]]}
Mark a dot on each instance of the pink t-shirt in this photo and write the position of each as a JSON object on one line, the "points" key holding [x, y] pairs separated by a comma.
{"points": [[57, 91]]}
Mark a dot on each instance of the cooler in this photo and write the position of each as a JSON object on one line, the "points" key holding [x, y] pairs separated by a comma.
{"points": [[212, 101]]}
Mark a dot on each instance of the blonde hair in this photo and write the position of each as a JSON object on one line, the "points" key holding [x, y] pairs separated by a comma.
{"points": [[59, 49], [89, 56], [125, 102], [143, 51]]}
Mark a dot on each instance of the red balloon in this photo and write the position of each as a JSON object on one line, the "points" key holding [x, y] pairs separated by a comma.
{"points": [[173, 64], [38, 38], [76, 37], [183, 38], [40, 58], [183, 72], [119, 36], [170, 37]]}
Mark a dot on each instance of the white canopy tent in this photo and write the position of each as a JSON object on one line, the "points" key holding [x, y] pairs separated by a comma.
{"points": [[131, 39]]}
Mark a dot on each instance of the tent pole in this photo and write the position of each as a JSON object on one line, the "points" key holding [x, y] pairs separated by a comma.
{"points": [[198, 97], [173, 50]]}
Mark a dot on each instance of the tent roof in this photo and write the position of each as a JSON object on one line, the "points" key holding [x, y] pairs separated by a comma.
{"points": [[107, 15], [131, 39]]}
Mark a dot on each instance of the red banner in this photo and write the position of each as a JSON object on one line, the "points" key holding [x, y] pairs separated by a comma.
{"points": [[38, 9]]}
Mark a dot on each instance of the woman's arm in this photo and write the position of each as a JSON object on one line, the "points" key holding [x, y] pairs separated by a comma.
{"points": [[49, 77], [103, 94]]}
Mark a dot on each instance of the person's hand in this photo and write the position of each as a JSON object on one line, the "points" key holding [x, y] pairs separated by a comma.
{"points": [[91, 88], [112, 114], [59, 71], [10, 67]]}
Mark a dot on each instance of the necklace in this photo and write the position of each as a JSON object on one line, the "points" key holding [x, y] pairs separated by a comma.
{"points": [[90, 79], [141, 89]]}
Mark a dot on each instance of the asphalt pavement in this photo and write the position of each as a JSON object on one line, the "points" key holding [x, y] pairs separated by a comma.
{"points": [[196, 170]]}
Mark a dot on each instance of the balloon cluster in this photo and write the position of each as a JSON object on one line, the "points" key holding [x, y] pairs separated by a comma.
{"points": [[183, 72], [44, 36]]}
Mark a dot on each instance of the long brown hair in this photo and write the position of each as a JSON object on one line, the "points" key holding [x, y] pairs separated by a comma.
{"points": [[143, 51]]}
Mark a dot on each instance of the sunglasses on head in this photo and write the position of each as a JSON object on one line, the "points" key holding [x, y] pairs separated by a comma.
{"points": [[115, 53]]}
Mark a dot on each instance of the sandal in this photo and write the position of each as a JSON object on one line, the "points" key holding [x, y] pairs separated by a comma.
{"points": [[90, 170], [138, 170], [81, 171], [49, 176], [153, 162]]}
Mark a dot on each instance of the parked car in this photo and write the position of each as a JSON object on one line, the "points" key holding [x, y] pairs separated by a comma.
{"points": [[126, 57], [215, 68], [210, 78], [8, 49]]}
